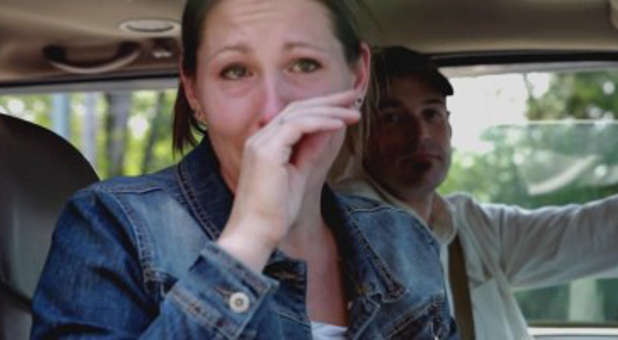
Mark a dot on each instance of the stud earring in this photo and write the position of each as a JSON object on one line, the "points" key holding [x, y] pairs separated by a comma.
{"points": [[359, 102]]}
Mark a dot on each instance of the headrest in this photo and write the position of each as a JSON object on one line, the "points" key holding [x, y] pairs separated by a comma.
{"points": [[39, 171]]}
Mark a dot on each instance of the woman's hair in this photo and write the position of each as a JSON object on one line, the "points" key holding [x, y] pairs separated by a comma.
{"points": [[343, 15]]}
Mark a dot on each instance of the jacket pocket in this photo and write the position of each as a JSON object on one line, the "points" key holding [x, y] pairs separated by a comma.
{"points": [[430, 321]]}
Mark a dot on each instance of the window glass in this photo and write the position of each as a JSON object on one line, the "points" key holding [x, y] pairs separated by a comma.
{"points": [[537, 139], [120, 132]]}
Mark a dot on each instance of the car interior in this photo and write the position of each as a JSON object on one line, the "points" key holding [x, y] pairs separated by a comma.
{"points": [[70, 46], [38, 172]]}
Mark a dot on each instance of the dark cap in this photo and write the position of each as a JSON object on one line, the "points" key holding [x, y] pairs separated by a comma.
{"points": [[396, 61]]}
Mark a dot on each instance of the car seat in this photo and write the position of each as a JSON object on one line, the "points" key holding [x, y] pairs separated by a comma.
{"points": [[39, 170]]}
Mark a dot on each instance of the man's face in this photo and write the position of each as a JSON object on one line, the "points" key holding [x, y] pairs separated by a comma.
{"points": [[409, 148]]}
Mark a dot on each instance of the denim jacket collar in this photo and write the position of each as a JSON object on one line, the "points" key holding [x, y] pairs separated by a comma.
{"points": [[209, 198], [211, 201]]}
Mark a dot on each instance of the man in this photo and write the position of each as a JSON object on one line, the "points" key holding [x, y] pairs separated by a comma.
{"points": [[401, 153]]}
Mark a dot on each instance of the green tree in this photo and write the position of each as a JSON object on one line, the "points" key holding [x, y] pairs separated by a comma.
{"points": [[581, 95], [120, 148], [528, 162]]}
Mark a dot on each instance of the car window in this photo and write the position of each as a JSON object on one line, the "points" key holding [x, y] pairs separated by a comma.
{"points": [[530, 139], [120, 132], [538, 139]]}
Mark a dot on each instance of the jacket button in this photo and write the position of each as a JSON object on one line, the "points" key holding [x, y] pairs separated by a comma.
{"points": [[239, 302]]}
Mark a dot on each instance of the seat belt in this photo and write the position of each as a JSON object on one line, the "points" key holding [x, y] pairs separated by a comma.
{"points": [[458, 278]]}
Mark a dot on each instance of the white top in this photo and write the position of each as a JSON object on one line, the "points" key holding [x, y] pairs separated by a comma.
{"points": [[507, 247], [325, 331]]}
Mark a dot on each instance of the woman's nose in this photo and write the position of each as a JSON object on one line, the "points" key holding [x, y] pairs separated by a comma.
{"points": [[275, 97]]}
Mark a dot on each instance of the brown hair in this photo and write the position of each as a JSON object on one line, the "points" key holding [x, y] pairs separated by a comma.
{"points": [[345, 27]]}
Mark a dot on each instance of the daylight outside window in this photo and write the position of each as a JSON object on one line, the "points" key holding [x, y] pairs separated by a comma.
{"points": [[120, 132], [538, 139], [531, 139]]}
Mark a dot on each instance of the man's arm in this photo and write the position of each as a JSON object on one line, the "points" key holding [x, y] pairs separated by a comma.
{"points": [[546, 246]]}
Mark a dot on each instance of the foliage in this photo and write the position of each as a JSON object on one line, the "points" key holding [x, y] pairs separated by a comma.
{"points": [[566, 154], [582, 95], [148, 135]]}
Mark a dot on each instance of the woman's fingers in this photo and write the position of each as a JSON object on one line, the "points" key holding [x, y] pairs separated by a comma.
{"points": [[338, 105], [293, 130], [277, 140], [307, 121], [293, 122], [285, 136], [343, 99], [348, 116]]}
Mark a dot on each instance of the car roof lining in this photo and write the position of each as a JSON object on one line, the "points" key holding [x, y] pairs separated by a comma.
{"points": [[89, 29]]}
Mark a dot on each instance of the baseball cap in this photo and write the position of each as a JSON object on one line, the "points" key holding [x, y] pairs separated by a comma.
{"points": [[398, 61]]}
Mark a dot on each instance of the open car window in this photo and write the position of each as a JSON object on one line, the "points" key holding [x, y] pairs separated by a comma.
{"points": [[120, 129], [535, 139]]}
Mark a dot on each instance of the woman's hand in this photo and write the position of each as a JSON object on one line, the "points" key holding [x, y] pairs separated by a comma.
{"points": [[278, 162]]}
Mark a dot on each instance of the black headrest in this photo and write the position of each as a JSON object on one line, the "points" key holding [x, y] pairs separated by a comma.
{"points": [[39, 170]]}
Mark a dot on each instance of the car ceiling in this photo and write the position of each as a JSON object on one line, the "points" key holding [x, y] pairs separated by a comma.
{"points": [[88, 30]]}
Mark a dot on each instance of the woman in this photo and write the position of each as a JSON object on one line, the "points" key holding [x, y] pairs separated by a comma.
{"points": [[241, 239]]}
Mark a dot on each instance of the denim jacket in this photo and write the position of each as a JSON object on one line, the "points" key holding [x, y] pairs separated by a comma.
{"points": [[135, 258]]}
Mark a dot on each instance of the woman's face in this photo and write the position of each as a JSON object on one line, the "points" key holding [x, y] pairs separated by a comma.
{"points": [[255, 58]]}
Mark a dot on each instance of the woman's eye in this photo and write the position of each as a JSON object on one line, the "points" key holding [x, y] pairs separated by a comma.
{"points": [[305, 66], [234, 72]]}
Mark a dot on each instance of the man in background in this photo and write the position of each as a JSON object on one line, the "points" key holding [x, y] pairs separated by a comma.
{"points": [[401, 153]]}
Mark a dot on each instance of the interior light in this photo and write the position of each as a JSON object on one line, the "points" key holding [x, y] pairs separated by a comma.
{"points": [[150, 26]]}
